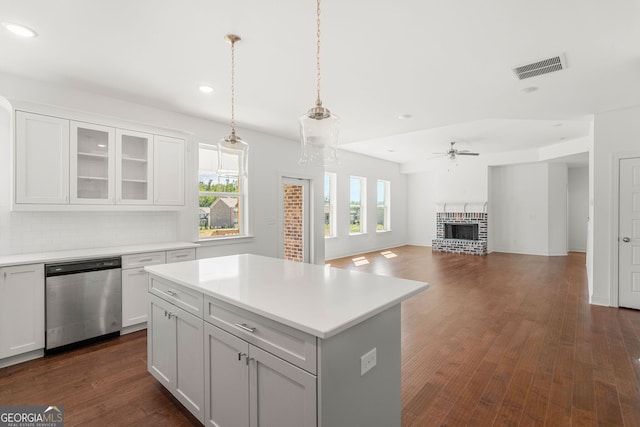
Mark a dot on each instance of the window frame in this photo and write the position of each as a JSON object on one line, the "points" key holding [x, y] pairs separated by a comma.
{"points": [[386, 205], [241, 194], [333, 217], [363, 204]]}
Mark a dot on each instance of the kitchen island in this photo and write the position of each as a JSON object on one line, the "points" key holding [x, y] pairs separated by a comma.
{"points": [[247, 340]]}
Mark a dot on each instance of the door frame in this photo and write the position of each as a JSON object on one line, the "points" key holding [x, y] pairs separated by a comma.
{"points": [[615, 224], [310, 179]]}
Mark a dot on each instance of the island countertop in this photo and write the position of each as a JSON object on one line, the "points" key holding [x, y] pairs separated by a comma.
{"points": [[319, 300]]}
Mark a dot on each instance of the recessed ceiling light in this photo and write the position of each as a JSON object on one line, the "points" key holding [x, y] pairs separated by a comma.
{"points": [[19, 30], [205, 89], [529, 89], [404, 116], [558, 125], [391, 150]]}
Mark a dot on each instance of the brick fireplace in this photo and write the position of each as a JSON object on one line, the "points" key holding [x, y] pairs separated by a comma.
{"points": [[461, 228]]}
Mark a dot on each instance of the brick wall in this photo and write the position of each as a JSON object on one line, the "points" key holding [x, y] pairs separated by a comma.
{"points": [[293, 228], [459, 246]]}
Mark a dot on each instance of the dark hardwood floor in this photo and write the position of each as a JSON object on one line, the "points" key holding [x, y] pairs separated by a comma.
{"points": [[501, 340]]}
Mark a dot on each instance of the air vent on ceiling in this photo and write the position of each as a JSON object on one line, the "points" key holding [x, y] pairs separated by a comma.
{"points": [[543, 66]]}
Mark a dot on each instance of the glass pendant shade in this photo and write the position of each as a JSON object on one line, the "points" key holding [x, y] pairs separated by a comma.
{"points": [[319, 139], [233, 153]]}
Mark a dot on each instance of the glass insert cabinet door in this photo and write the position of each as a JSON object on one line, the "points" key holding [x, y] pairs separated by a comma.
{"points": [[92, 163], [134, 158]]}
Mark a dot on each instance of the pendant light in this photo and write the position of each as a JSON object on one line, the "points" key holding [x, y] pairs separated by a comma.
{"points": [[232, 150], [318, 127]]}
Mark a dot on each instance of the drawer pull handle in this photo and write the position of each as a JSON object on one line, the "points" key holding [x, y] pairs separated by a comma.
{"points": [[244, 327], [146, 260], [171, 293], [182, 256]]}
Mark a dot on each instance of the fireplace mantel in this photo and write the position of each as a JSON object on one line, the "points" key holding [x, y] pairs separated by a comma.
{"points": [[463, 207]]}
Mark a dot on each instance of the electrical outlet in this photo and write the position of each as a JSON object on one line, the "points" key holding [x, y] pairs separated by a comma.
{"points": [[367, 361]]}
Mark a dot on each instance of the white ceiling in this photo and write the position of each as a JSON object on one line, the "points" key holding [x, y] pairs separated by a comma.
{"points": [[448, 64]]}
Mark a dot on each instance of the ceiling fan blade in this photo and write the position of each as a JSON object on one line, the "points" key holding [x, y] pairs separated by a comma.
{"points": [[462, 153]]}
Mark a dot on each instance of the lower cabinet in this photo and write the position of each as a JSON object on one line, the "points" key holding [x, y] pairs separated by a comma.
{"points": [[175, 353], [21, 309], [247, 387], [135, 283]]}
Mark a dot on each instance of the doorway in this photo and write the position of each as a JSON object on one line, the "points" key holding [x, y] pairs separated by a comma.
{"points": [[629, 233], [295, 236]]}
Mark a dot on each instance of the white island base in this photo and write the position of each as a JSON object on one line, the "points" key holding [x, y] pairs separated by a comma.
{"points": [[277, 343]]}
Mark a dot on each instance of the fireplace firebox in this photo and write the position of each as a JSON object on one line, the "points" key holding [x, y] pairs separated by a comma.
{"points": [[461, 231]]}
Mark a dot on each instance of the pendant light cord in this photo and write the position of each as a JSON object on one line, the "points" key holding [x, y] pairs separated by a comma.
{"points": [[233, 87], [318, 101]]}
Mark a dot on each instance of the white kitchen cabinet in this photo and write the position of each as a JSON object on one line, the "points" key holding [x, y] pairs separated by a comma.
{"points": [[175, 345], [134, 167], [168, 172], [226, 373], [275, 384], [73, 161], [92, 164], [21, 309], [42, 159], [135, 283], [247, 386]]}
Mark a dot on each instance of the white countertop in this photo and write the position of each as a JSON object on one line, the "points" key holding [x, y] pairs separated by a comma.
{"points": [[72, 255], [322, 301]]}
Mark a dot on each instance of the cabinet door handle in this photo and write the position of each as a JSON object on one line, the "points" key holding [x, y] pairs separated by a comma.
{"points": [[241, 355], [244, 327], [171, 314], [249, 359]]}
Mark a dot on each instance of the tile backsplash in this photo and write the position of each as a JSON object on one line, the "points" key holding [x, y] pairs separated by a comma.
{"points": [[26, 232]]}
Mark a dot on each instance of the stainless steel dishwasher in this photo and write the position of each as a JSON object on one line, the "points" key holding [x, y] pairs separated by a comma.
{"points": [[83, 301]]}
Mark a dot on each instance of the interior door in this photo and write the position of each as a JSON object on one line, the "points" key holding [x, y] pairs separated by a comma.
{"points": [[629, 234], [294, 211]]}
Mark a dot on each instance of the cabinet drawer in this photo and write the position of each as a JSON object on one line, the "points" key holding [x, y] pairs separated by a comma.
{"points": [[180, 296], [178, 255], [141, 260], [294, 346]]}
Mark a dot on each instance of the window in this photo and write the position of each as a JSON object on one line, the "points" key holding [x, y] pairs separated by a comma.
{"points": [[358, 205], [383, 207], [329, 205], [221, 201]]}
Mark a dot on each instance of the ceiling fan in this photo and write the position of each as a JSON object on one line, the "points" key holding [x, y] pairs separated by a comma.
{"points": [[452, 153]]}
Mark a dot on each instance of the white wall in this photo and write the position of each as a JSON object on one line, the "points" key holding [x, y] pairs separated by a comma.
{"points": [[270, 158], [557, 209], [616, 135], [519, 207], [422, 189], [578, 208], [372, 169]]}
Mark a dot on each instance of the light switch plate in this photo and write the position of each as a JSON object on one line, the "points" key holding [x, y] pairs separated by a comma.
{"points": [[367, 361]]}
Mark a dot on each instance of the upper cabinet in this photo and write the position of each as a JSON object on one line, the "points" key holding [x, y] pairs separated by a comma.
{"points": [[168, 175], [92, 164], [67, 164], [42, 159], [134, 167]]}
